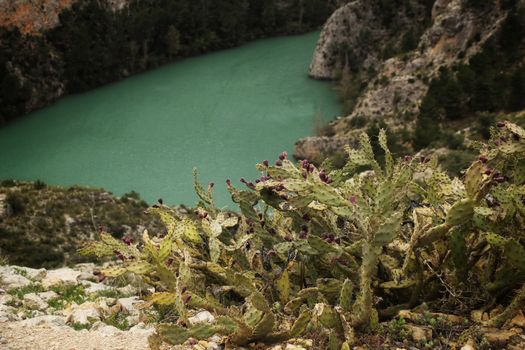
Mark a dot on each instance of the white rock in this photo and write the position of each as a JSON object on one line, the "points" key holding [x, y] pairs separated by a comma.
{"points": [[34, 302], [202, 317], [133, 320], [129, 305], [63, 276], [102, 328], [8, 313], [47, 319], [46, 296], [293, 347], [84, 314], [6, 299], [9, 279], [33, 274], [142, 329], [92, 288]]}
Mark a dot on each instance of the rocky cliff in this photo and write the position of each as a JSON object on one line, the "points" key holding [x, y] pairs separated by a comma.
{"points": [[355, 38]]}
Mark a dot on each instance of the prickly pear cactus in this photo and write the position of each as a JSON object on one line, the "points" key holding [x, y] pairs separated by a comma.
{"points": [[312, 248]]}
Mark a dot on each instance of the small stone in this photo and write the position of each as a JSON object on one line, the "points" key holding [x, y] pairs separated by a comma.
{"points": [[93, 288], [129, 305], [420, 334], [518, 320], [133, 320], [202, 317], [470, 345], [498, 337], [63, 276], [84, 314], [293, 347], [46, 296], [34, 302], [102, 328]]}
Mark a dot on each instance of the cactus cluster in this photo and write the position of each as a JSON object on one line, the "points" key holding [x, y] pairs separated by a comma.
{"points": [[333, 251]]}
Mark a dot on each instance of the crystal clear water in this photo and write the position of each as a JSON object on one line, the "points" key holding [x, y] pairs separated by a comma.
{"points": [[222, 113]]}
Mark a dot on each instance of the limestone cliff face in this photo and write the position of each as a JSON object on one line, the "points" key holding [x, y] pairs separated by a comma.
{"points": [[456, 33]]}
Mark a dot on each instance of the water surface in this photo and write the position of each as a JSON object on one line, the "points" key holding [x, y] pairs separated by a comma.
{"points": [[222, 113]]}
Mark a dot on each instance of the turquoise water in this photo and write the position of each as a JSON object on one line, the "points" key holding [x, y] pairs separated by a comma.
{"points": [[222, 113]]}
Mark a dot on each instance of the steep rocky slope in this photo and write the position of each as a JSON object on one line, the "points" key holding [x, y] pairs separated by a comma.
{"points": [[43, 225], [395, 88]]}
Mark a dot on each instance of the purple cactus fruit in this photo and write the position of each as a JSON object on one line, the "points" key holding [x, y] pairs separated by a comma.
{"points": [[488, 171], [306, 217], [211, 184], [311, 168], [266, 163], [500, 124], [285, 197], [283, 155], [161, 201], [504, 138], [483, 159], [303, 234], [169, 262], [304, 174], [243, 180], [352, 200], [288, 238], [279, 162], [187, 299], [272, 253], [408, 159], [127, 240]]}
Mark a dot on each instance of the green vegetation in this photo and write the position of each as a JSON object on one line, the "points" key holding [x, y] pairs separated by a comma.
{"points": [[67, 294], [30, 288], [95, 45], [44, 225], [118, 320], [331, 253], [80, 326]]}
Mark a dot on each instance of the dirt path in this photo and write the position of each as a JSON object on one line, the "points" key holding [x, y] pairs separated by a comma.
{"points": [[23, 336]]}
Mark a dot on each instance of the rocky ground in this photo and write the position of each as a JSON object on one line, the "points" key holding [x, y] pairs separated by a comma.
{"points": [[71, 309]]}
